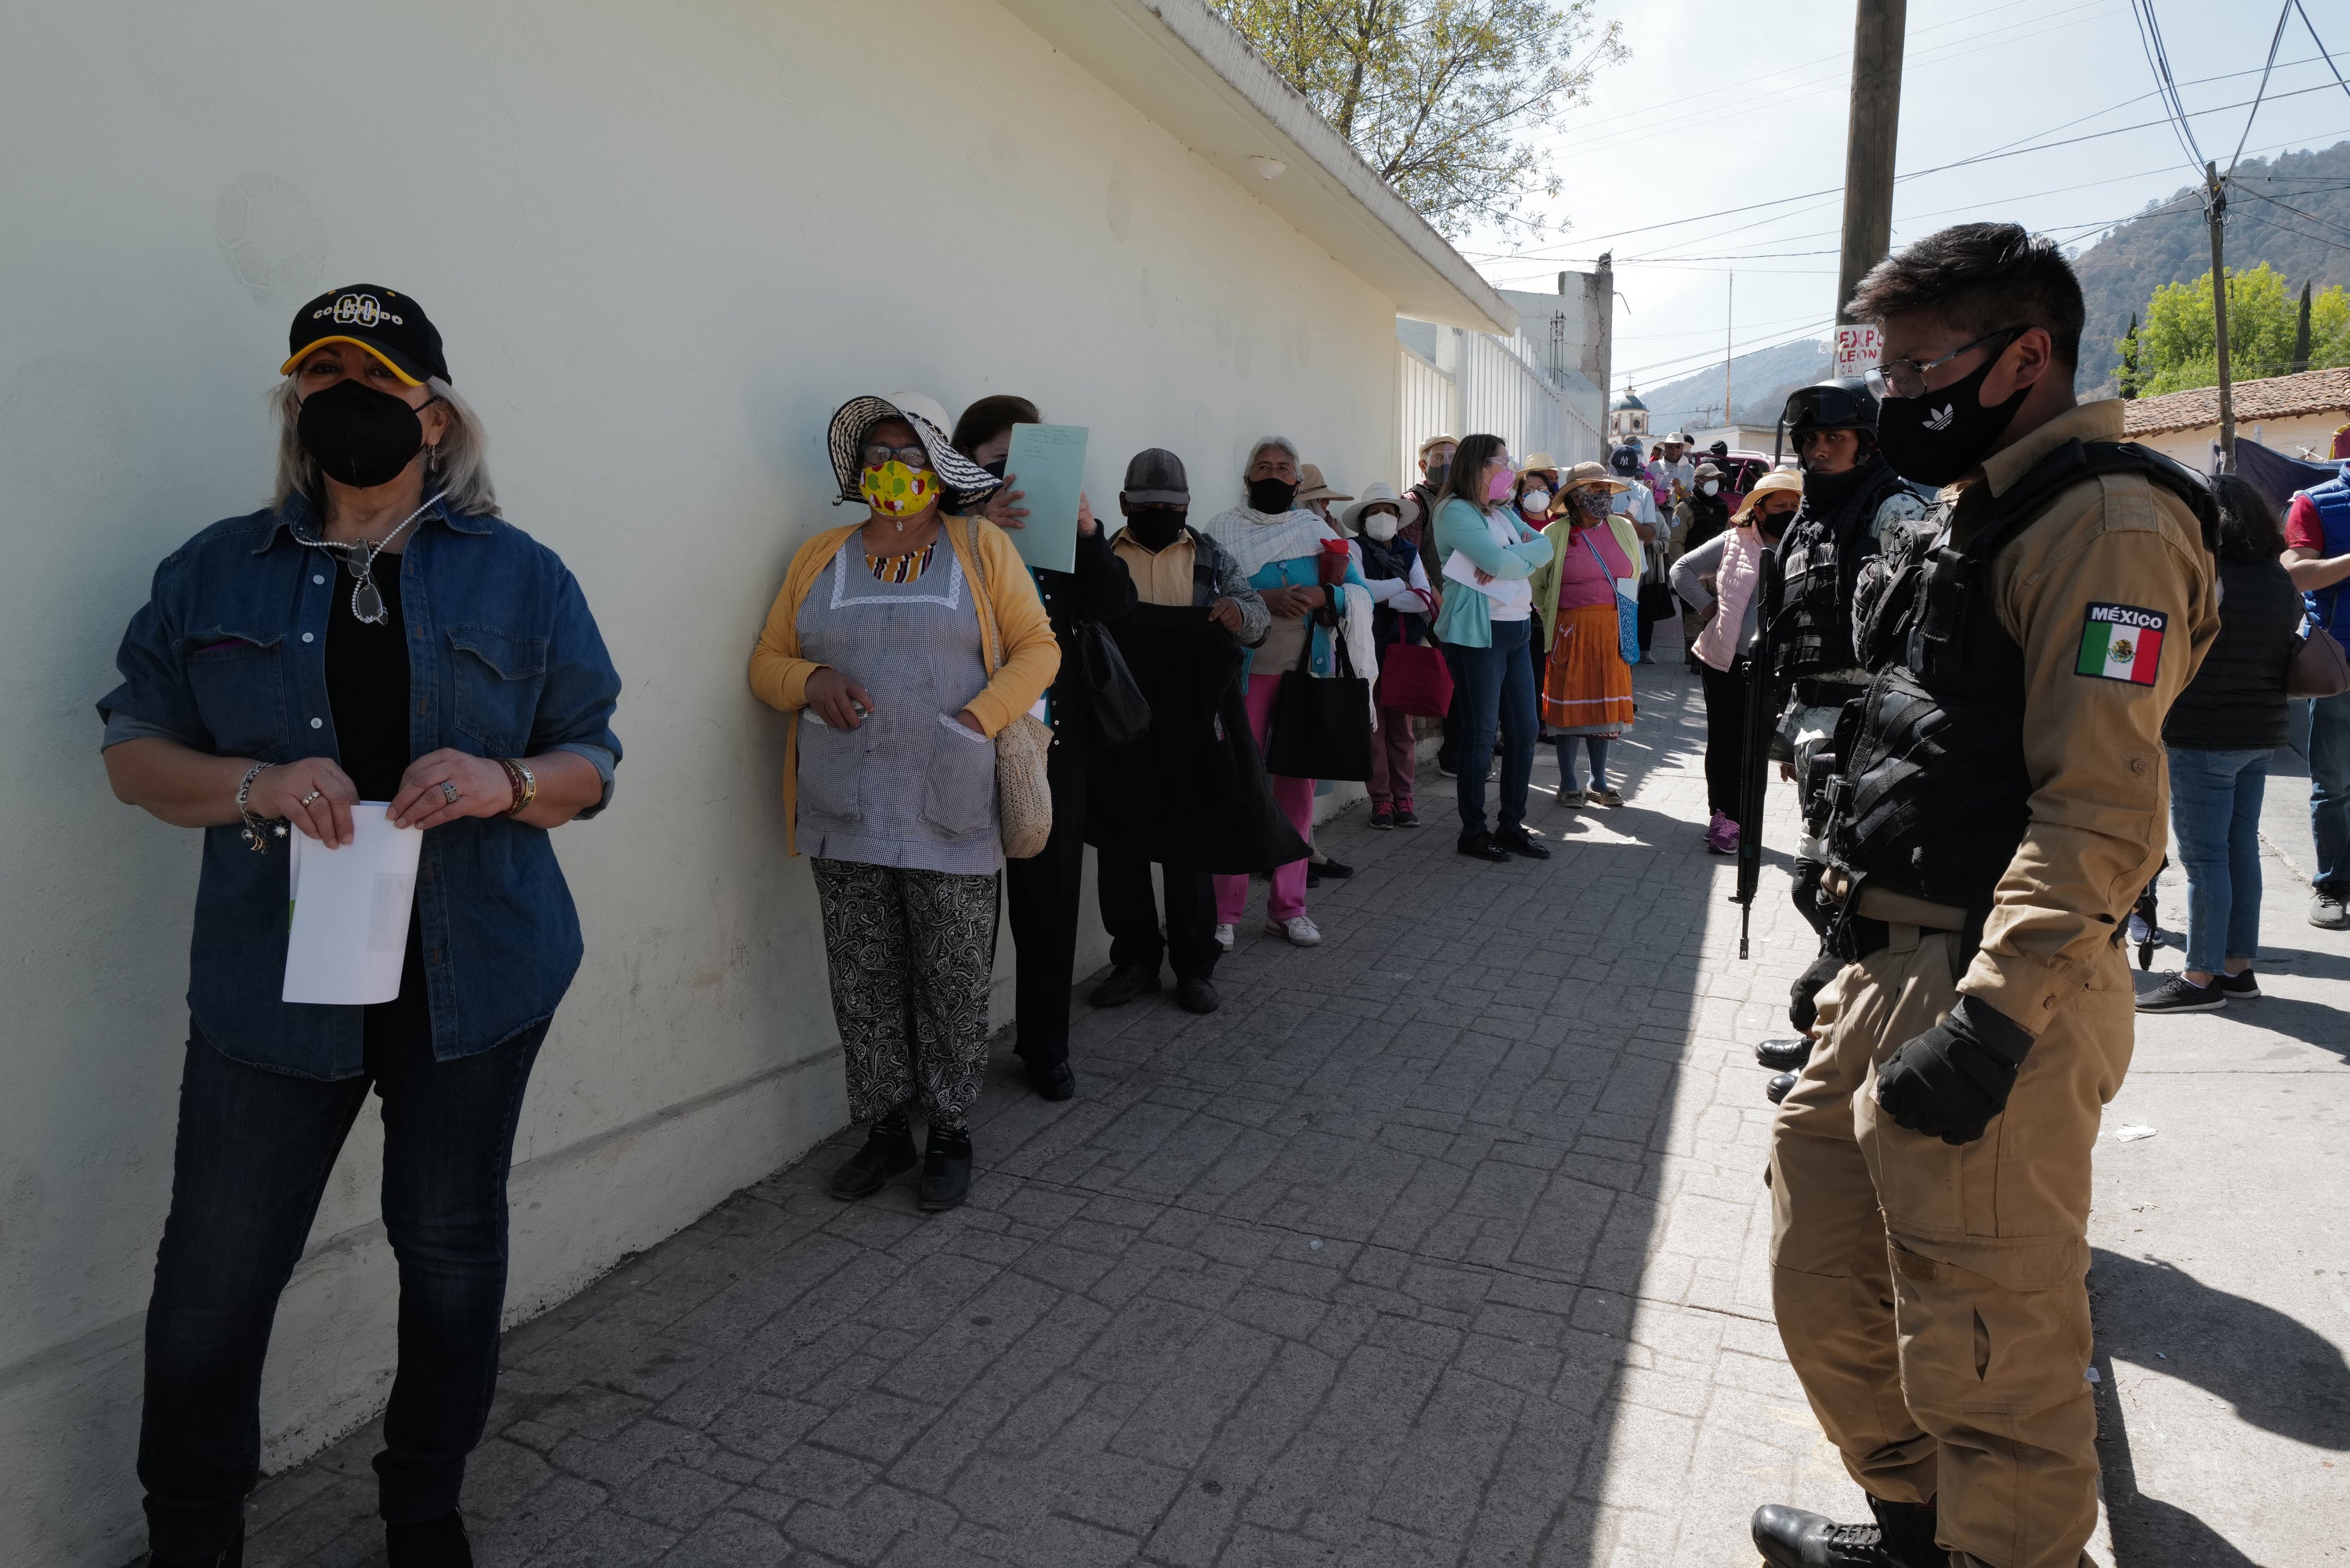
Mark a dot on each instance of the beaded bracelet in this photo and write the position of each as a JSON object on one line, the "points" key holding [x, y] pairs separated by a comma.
{"points": [[523, 781], [256, 830]]}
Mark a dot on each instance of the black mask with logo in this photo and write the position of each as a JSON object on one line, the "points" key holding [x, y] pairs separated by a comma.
{"points": [[1155, 527], [361, 437], [1271, 495], [1934, 437]]}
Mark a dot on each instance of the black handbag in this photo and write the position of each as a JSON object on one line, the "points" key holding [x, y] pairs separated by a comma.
{"points": [[1321, 723], [1657, 603], [1120, 712]]}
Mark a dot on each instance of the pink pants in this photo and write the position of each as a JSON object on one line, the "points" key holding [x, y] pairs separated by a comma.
{"points": [[1392, 759], [1295, 798]]}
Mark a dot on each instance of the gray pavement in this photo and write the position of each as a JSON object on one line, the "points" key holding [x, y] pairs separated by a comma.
{"points": [[1442, 1243]]}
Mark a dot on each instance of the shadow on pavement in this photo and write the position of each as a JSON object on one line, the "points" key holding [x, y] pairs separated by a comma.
{"points": [[2148, 1533]]}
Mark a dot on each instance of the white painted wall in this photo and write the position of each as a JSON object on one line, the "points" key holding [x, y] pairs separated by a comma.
{"points": [[662, 241], [2312, 433]]}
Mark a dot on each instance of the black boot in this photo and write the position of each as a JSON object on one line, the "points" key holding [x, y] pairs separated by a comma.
{"points": [[1775, 1091], [888, 1149], [1784, 1056], [1197, 995], [1902, 1537], [1125, 983], [435, 1543], [232, 1558], [946, 1168]]}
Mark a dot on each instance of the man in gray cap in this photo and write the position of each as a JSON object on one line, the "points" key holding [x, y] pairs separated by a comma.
{"points": [[1147, 803]]}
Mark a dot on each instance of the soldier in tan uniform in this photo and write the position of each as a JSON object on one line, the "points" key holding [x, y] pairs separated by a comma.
{"points": [[2002, 800]]}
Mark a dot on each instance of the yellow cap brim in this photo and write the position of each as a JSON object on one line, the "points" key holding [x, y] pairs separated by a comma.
{"points": [[303, 352]]}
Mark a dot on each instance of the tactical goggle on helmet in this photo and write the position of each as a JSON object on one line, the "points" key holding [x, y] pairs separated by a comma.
{"points": [[1843, 403]]}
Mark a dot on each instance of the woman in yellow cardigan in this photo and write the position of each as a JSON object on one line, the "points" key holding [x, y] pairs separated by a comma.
{"points": [[883, 643]]}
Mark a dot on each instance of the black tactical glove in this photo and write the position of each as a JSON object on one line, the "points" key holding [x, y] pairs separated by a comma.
{"points": [[1803, 1009], [1950, 1082]]}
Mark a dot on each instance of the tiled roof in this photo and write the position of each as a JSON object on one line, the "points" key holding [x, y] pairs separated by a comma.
{"points": [[2273, 398]]}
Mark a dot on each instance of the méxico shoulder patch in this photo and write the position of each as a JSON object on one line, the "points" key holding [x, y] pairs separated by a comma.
{"points": [[2121, 643]]}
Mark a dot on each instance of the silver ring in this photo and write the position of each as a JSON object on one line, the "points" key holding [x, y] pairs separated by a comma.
{"points": [[449, 792], [314, 795]]}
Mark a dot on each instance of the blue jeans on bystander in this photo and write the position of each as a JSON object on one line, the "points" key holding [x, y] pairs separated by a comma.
{"points": [[1493, 691], [2329, 792], [2215, 814]]}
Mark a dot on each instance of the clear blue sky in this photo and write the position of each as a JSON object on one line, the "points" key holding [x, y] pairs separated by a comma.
{"points": [[1726, 103]]}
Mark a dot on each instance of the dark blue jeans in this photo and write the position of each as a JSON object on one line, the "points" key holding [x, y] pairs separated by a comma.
{"points": [[2329, 792], [2215, 812], [1493, 689], [255, 1151]]}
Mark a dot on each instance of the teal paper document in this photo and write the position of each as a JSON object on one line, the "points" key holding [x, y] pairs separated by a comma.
{"points": [[1048, 462]]}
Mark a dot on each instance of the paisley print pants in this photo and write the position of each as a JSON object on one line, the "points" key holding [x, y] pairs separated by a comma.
{"points": [[910, 954]]}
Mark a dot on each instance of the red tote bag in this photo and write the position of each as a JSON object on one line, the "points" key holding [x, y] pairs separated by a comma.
{"points": [[1414, 679]]}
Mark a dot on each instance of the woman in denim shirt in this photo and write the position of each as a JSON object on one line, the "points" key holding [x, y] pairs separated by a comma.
{"points": [[377, 634]]}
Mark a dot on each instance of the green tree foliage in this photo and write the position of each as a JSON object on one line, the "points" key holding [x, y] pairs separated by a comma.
{"points": [[2177, 349], [1439, 96]]}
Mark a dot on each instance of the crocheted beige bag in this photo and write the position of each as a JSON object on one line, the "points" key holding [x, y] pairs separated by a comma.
{"points": [[1023, 797]]}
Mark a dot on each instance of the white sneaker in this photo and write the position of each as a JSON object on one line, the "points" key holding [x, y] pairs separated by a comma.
{"points": [[1300, 931], [1224, 938]]}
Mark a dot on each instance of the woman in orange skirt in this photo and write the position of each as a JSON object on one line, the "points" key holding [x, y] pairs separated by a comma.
{"points": [[1587, 690]]}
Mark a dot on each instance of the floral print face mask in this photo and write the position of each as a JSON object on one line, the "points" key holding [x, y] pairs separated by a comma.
{"points": [[894, 490]]}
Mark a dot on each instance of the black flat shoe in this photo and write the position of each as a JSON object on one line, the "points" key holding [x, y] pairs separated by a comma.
{"points": [[1197, 996], [1518, 841], [1902, 1537], [232, 1558], [1784, 1056], [435, 1543], [1776, 1089], [1125, 983], [889, 1150], [1052, 1080], [1480, 847], [946, 1170]]}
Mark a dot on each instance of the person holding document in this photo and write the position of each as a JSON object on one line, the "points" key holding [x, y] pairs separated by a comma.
{"points": [[901, 646], [377, 637], [1588, 587], [1044, 890], [1488, 556]]}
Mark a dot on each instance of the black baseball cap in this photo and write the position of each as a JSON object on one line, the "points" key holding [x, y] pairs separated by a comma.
{"points": [[391, 326], [1155, 478]]}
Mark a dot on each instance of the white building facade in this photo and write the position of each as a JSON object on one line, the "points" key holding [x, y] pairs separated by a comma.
{"points": [[663, 242]]}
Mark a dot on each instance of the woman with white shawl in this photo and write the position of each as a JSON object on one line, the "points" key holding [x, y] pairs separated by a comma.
{"points": [[1280, 546]]}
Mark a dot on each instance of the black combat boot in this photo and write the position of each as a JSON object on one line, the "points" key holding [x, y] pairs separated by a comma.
{"points": [[888, 1149], [1787, 1056], [1901, 1537]]}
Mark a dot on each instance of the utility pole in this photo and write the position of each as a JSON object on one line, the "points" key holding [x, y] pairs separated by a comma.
{"points": [[1728, 341], [2215, 213], [1879, 28]]}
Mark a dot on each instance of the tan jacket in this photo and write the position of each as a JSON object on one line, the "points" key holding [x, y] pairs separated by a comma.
{"points": [[1032, 656], [2101, 792]]}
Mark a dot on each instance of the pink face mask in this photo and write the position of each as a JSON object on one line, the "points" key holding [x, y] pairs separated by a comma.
{"points": [[1501, 486]]}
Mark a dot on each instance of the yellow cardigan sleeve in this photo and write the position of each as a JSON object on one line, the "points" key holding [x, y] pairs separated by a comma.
{"points": [[779, 676], [1032, 655]]}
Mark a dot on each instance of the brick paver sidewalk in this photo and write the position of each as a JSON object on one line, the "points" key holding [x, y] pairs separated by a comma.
{"points": [[1441, 1243]]}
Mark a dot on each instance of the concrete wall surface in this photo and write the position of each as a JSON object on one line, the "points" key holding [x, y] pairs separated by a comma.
{"points": [[662, 244]]}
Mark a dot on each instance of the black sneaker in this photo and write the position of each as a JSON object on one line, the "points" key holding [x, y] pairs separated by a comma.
{"points": [[1125, 983], [889, 1150], [1406, 817], [2242, 984], [1522, 842], [435, 1543], [1444, 766], [2327, 912], [1480, 845], [2177, 993], [946, 1170], [1382, 819], [1787, 1056]]}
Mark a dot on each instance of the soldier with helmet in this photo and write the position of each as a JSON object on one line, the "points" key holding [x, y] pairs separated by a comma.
{"points": [[1999, 799]]}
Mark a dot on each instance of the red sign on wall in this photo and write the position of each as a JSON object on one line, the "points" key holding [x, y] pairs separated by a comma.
{"points": [[1856, 348]]}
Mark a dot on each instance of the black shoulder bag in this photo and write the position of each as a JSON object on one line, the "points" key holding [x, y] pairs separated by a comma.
{"points": [[1321, 723]]}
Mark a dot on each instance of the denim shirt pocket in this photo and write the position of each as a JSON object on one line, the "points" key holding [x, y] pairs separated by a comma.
{"points": [[498, 678], [958, 791], [238, 679]]}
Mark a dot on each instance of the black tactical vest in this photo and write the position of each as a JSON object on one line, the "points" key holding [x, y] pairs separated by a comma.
{"points": [[1821, 564], [1931, 795]]}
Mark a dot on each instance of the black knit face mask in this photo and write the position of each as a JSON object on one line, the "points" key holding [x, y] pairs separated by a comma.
{"points": [[1155, 527]]}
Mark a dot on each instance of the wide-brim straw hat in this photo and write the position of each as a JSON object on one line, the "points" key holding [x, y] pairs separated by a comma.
{"points": [[1437, 441], [1777, 479], [1380, 490], [1586, 475], [1538, 463], [965, 482], [1312, 486]]}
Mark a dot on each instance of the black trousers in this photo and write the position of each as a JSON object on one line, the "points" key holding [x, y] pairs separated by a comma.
{"points": [[1043, 891], [1725, 734], [1130, 911]]}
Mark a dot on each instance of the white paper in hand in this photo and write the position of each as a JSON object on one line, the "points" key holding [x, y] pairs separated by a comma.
{"points": [[348, 910]]}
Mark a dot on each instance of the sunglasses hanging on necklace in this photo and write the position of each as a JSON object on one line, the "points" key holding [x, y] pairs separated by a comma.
{"points": [[359, 559]]}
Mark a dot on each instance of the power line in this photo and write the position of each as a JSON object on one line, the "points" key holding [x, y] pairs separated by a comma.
{"points": [[2284, 14], [2321, 44], [2158, 60]]}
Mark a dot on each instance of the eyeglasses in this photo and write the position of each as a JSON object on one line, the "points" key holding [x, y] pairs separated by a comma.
{"points": [[1907, 377], [912, 456]]}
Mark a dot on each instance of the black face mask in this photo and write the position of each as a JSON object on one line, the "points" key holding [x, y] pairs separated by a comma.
{"points": [[1271, 495], [361, 437], [1437, 472], [1937, 436], [1155, 527], [993, 465]]}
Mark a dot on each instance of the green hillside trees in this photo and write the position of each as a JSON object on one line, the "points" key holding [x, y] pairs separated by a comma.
{"points": [[2173, 348]]}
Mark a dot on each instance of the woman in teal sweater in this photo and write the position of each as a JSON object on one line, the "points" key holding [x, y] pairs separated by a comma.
{"points": [[1487, 556]]}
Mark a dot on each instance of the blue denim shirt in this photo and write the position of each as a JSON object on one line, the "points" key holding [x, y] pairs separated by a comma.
{"points": [[228, 657]]}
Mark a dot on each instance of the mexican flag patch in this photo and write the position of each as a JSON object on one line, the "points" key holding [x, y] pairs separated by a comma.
{"points": [[2121, 643]]}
